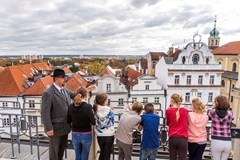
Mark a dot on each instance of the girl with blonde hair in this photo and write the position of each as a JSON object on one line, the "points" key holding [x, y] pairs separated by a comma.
{"points": [[177, 120], [197, 133]]}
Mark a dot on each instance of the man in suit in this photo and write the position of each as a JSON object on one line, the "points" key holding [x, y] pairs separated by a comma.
{"points": [[55, 102]]}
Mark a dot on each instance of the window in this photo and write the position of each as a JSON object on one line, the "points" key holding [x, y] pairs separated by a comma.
{"points": [[200, 79], [15, 104], [147, 87], [187, 97], [231, 98], [234, 67], [195, 58], [189, 79], [33, 120], [6, 122], [199, 94], [223, 83], [233, 86], [210, 97], [145, 100], [108, 88], [154, 64], [109, 101], [176, 81], [211, 79], [120, 102], [5, 104], [31, 104], [156, 100], [134, 99]]}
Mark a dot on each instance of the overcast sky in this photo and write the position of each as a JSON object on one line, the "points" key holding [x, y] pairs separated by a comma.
{"points": [[110, 26]]}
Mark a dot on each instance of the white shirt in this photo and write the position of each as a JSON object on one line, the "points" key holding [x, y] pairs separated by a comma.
{"points": [[59, 88]]}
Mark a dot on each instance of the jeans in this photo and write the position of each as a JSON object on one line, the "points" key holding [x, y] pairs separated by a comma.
{"points": [[196, 150], [148, 154], [105, 143], [81, 145]]}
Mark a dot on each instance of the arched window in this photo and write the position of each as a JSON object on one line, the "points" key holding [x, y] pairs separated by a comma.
{"points": [[234, 67], [223, 83], [207, 60]]}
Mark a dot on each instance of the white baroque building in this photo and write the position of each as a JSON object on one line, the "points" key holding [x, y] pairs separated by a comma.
{"points": [[192, 72], [148, 90]]}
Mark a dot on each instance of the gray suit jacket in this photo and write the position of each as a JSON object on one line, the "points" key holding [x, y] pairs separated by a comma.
{"points": [[54, 109]]}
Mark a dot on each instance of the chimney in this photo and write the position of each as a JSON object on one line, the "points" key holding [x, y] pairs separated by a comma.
{"points": [[170, 51]]}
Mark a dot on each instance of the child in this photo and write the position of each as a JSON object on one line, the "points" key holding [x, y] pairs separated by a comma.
{"points": [[177, 120], [197, 133], [221, 117], [150, 141], [128, 121], [81, 117], [104, 125]]}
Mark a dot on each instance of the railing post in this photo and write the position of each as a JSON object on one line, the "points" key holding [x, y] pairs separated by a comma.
{"points": [[12, 139]]}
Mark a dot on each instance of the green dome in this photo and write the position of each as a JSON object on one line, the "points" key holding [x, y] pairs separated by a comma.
{"points": [[214, 33]]}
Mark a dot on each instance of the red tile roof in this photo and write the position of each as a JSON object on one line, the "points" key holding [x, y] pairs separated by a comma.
{"points": [[1, 69], [39, 87], [75, 82], [28, 70], [228, 49], [157, 55], [12, 81], [132, 76], [42, 66], [106, 70], [175, 55], [67, 70]]}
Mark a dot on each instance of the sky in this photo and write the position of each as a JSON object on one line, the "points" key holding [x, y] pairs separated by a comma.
{"points": [[125, 27]]}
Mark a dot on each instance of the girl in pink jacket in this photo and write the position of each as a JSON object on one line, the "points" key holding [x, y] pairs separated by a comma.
{"points": [[197, 134]]}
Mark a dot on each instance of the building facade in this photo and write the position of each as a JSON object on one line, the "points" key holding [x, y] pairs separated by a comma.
{"points": [[228, 56], [192, 73], [148, 90]]}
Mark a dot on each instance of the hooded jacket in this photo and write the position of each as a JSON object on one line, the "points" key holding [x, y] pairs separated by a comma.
{"points": [[197, 127], [221, 124], [104, 121]]}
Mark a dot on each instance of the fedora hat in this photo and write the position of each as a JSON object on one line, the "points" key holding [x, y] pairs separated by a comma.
{"points": [[58, 73]]}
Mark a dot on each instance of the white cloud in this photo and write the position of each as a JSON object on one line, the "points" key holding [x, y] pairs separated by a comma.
{"points": [[111, 27]]}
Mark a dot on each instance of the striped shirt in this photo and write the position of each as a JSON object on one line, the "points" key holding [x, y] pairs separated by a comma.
{"points": [[221, 127]]}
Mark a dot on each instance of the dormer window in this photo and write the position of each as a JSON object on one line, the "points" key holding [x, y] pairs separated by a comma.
{"points": [[195, 58]]}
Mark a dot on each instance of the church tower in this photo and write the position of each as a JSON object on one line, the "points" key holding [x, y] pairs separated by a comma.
{"points": [[214, 39]]}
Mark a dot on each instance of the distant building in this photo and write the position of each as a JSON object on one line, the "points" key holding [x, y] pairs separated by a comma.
{"points": [[228, 56], [192, 73], [15, 81], [152, 59]]}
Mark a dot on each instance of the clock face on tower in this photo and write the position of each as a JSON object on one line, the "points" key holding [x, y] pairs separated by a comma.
{"points": [[195, 58]]}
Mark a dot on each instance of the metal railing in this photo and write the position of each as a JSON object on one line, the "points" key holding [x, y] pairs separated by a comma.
{"points": [[26, 129]]}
